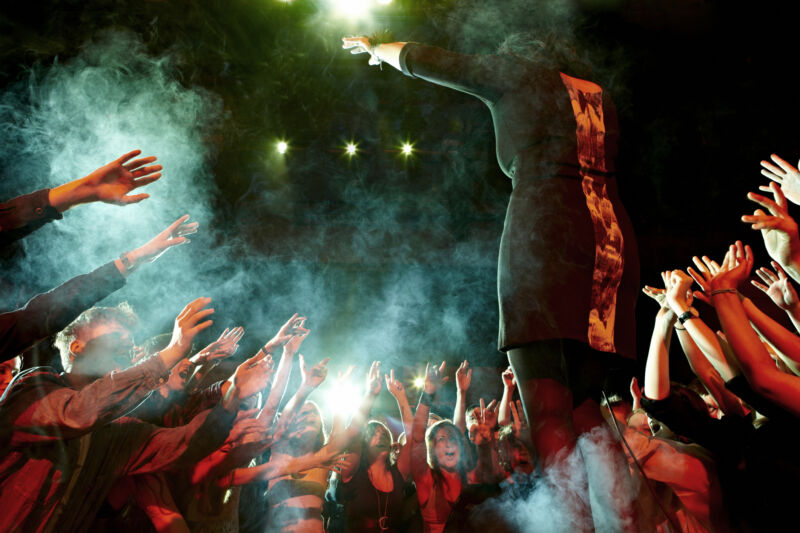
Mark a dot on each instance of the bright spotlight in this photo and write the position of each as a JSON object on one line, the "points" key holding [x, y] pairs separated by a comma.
{"points": [[351, 149], [419, 383], [384, 2], [352, 8], [282, 147], [343, 399], [407, 149]]}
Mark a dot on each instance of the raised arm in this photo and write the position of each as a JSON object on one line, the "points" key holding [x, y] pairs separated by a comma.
{"points": [[778, 229], [679, 297], [757, 366], [40, 408], [184, 446], [420, 470], [50, 312], [483, 76], [110, 184], [509, 384], [656, 370], [463, 380], [398, 391], [310, 380], [290, 337]]}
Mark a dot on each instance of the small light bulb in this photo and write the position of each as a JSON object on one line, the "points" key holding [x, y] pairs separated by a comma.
{"points": [[351, 149], [407, 149], [282, 147]]}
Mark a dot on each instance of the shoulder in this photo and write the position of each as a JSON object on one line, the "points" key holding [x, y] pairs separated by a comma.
{"points": [[41, 378]]}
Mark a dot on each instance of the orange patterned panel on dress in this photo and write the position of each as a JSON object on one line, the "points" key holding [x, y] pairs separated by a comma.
{"points": [[587, 106]]}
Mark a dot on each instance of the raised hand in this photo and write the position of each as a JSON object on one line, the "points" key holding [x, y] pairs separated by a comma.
{"points": [[636, 393], [463, 377], [734, 269], [374, 378], [778, 287], [483, 431], [110, 183], [395, 386], [519, 422], [225, 346], [434, 378], [291, 332], [173, 235], [706, 269], [679, 294], [509, 381], [311, 379], [778, 229], [187, 325], [361, 45], [252, 376], [785, 175], [657, 294]]}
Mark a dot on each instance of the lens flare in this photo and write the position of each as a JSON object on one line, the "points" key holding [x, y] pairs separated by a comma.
{"points": [[351, 8], [407, 148], [351, 149]]}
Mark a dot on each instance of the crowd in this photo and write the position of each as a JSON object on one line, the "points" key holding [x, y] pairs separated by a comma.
{"points": [[157, 437]]}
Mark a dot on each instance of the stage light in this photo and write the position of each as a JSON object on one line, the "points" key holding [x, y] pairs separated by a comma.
{"points": [[352, 8], [384, 2], [419, 382], [407, 149], [282, 147], [351, 149], [343, 399]]}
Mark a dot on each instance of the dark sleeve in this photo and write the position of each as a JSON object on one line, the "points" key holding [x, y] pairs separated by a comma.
{"points": [[39, 407], [741, 388], [182, 446], [48, 313], [178, 408], [486, 77], [25, 214]]}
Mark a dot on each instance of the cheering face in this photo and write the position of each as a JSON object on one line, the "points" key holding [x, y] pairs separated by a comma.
{"points": [[104, 348], [446, 449], [378, 445], [521, 460], [8, 370]]}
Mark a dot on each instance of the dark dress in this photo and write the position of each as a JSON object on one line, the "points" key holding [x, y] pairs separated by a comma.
{"points": [[367, 509], [568, 265]]}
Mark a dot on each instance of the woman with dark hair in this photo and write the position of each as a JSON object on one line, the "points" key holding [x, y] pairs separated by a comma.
{"points": [[372, 467], [439, 459], [568, 270]]}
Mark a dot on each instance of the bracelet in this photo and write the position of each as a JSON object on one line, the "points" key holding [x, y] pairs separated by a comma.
{"points": [[426, 399], [126, 262], [721, 291]]}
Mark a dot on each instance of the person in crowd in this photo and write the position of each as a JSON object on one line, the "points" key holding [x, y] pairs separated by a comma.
{"points": [[66, 437], [439, 458], [688, 470], [372, 468], [46, 314], [562, 319], [8, 370], [109, 184]]}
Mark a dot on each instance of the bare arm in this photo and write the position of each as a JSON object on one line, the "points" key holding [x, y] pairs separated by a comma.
{"points": [[463, 381]]}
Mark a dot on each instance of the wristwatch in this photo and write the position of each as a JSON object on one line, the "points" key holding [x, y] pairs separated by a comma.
{"points": [[688, 315]]}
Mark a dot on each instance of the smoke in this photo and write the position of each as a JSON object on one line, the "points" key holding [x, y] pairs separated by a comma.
{"points": [[66, 119], [541, 503]]}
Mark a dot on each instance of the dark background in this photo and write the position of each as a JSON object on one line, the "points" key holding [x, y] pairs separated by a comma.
{"points": [[704, 92]]}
